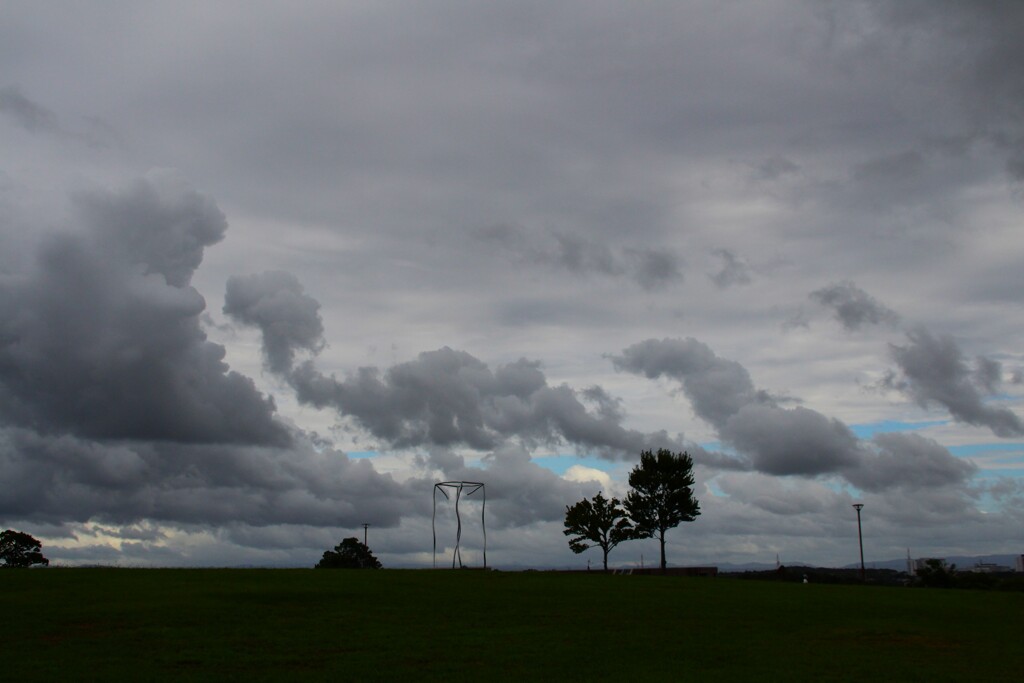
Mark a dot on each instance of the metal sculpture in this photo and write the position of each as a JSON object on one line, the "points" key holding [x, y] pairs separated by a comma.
{"points": [[470, 487]]}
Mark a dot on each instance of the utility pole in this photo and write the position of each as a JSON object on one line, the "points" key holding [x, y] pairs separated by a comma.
{"points": [[365, 526], [860, 539]]}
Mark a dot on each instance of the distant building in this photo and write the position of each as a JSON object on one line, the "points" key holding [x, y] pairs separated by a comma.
{"points": [[1020, 563], [989, 568]]}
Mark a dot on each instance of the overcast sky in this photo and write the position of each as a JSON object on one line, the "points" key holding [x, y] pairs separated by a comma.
{"points": [[269, 271]]}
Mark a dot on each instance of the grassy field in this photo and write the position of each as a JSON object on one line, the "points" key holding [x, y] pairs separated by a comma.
{"points": [[252, 624]]}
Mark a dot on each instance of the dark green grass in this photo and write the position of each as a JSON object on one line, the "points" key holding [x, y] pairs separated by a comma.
{"points": [[250, 624]]}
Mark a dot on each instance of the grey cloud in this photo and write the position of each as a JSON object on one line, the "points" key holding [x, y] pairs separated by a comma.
{"points": [[608, 407], [653, 269], [1008, 490], [776, 167], [890, 168], [1015, 165], [852, 306], [443, 398], [62, 478], [26, 113], [933, 370], [789, 441], [908, 461], [733, 270], [519, 492], [988, 74], [718, 388], [136, 532], [988, 373], [276, 303], [582, 256], [101, 335], [158, 223], [447, 397], [773, 496]]}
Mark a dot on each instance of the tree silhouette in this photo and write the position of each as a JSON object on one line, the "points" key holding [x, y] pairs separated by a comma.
{"points": [[18, 549], [661, 496], [349, 554], [600, 521], [935, 574]]}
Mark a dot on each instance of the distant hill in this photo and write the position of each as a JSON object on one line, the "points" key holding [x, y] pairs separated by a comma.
{"points": [[962, 562]]}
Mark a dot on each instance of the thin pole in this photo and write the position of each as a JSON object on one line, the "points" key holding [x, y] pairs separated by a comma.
{"points": [[365, 525], [483, 523], [458, 531], [860, 539]]}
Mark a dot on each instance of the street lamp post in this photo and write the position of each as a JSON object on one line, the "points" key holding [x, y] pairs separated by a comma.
{"points": [[860, 539]]}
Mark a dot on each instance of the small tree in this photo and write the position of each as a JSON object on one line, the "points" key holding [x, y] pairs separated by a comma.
{"points": [[935, 574], [662, 495], [349, 554], [600, 521], [18, 549]]}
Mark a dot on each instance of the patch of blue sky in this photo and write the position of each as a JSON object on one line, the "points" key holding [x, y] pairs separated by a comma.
{"points": [[1011, 449], [994, 459], [715, 489], [559, 464], [361, 454], [869, 429]]}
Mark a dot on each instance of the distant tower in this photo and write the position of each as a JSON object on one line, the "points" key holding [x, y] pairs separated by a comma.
{"points": [[470, 487], [910, 564]]}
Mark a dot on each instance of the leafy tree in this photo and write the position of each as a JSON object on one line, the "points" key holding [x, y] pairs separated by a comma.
{"points": [[600, 521], [18, 549], [349, 554], [662, 495]]}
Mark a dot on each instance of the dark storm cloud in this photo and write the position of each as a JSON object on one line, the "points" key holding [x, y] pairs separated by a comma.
{"points": [[788, 441], [117, 408], [932, 369], [732, 271], [276, 303], [852, 306], [100, 336], [26, 113], [62, 478], [583, 256], [791, 440]]}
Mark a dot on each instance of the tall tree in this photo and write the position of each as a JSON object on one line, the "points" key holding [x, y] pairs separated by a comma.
{"points": [[18, 549], [662, 495], [600, 521]]}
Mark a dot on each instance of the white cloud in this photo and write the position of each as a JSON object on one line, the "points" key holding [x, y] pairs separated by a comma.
{"points": [[582, 473]]}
